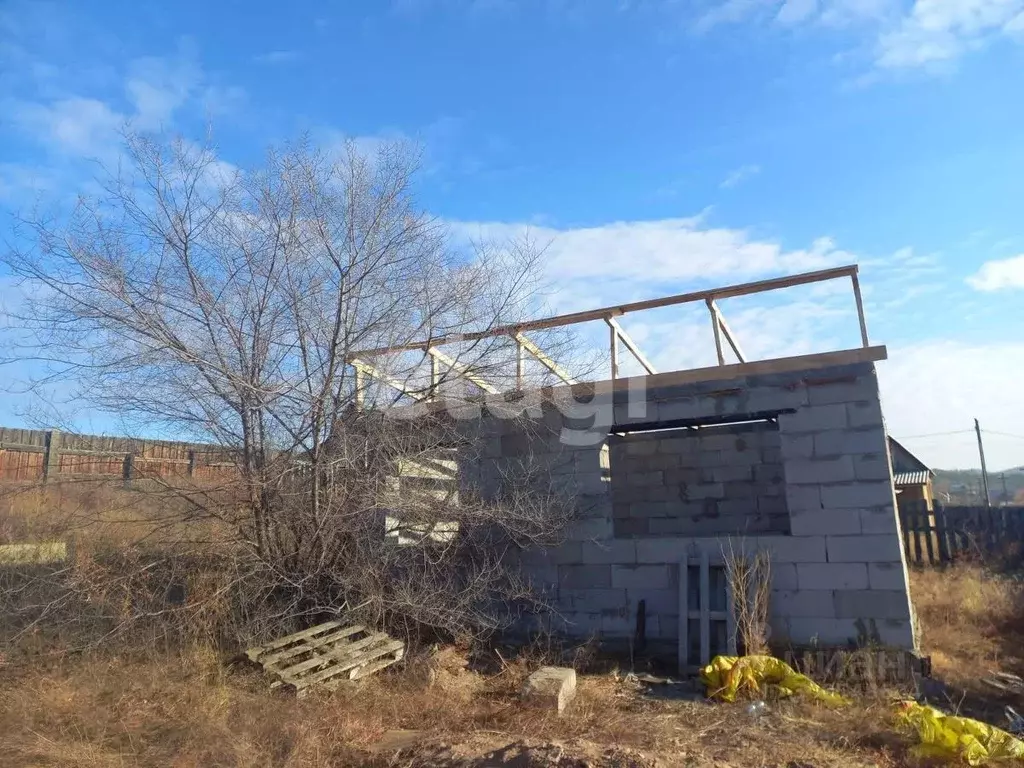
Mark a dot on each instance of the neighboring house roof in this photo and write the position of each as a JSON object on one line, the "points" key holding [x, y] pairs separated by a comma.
{"points": [[907, 469], [903, 479]]}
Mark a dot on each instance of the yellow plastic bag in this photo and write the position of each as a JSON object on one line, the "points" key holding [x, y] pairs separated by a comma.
{"points": [[950, 737], [726, 676]]}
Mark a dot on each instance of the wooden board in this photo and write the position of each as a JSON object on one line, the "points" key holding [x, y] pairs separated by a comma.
{"points": [[323, 654]]}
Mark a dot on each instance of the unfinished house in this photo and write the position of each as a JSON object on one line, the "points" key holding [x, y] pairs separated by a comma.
{"points": [[670, 471]]}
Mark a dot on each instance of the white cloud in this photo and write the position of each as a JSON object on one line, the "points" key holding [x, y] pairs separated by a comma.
{"points": [[925, 33], [277, 57], [999, 274], [157, 87], [665, 251], [942, 386], [739, 175], [795, 11], [74, 126]]}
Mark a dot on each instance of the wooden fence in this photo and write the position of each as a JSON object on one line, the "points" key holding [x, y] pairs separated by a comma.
{"points": [[933, 537], [31, 455]]}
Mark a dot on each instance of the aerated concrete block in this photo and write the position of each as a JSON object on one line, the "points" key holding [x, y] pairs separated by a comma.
{"points": [[864, 549], [814, 418], [815, 576], [839, 442], [819, 522], [816, 471], [872, 604], [804, 603], [613, 551], [551, 688], [794, 549], [843, 392], [585, 576], [856, 495], [879, 520], [637, 576], [887, 576]]}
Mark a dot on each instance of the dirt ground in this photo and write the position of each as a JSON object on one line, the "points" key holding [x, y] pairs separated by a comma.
{"points": [[187, 705]]}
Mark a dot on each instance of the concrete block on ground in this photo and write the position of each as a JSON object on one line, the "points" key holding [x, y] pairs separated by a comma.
{"points": [[872, 604], [864, 549], [887, 576], [816, 471], [825, 521], [639, 576], [830, 576], [550, 688]]}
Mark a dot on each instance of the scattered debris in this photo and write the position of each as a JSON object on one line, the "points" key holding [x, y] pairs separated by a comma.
{"points": [[726, 676], [552, 687], [952, 738], [320, 655], [1005, 682]]}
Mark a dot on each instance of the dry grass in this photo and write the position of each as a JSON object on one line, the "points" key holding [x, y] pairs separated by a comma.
{"points": [[137, 702], [970, 621], [190, 710]]}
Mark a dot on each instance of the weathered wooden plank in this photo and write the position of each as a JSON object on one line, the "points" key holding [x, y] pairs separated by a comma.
{"points": [[309, 645], [253, 653], [945, 556], [929, 530], [328, 655], [352, 662]]}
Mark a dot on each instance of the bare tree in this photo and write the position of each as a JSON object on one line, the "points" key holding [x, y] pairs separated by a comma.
{"points": [[225, 307]]}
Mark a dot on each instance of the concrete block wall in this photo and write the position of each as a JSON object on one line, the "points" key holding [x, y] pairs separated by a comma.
{"points": [[838, 572], [716, 480]]}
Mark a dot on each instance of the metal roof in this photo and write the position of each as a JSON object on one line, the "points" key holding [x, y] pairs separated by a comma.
{"points": [[910, 478]]}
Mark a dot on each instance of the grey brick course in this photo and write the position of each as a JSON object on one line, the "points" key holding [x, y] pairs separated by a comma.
{"points": [[585, 576], [832, 576], [864, 549], [641, 576], [872, 604], [835, 470]]}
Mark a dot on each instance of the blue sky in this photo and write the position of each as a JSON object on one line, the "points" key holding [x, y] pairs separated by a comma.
{"points": [[657, 145]]}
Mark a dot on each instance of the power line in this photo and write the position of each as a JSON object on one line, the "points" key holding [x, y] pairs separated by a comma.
{"points": [[940, 434], [1002, 434]]}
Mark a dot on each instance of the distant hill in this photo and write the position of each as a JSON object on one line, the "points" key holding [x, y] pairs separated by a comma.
{"points": [[964, 485]]}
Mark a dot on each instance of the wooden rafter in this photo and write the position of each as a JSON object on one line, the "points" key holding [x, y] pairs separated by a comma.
{"points": [[364, 368], [629, 344], [725, 292], [462, 369], [727, 332], [543, 359]]}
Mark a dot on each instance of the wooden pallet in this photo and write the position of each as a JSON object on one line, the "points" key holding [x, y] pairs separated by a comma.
{"points": [[323, 654]]}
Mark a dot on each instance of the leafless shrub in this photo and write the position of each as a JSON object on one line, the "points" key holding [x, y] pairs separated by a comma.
{"points": [[749, 580], [226, 308]]}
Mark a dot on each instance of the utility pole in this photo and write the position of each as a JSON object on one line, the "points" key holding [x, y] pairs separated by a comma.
{"points": [[984, 470]]}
